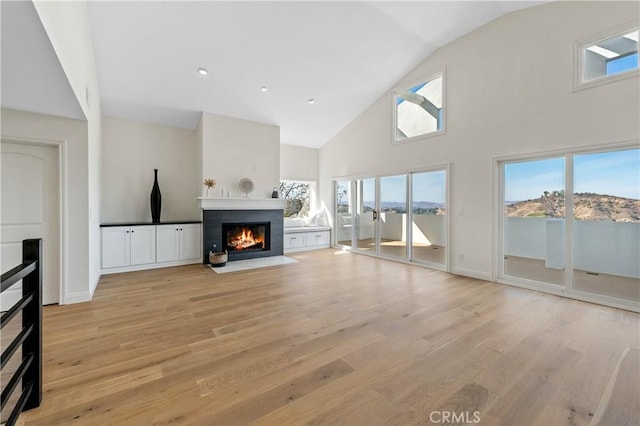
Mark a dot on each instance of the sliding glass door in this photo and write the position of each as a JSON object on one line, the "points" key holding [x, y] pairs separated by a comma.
{"points": [[606, 224], [372, 215], [571, 223], [428, 217], [343, 213], [533, 222], [366, 229], [393, 216]]}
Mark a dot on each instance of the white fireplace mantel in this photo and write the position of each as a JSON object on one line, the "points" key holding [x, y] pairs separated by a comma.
{"points": [[242, 203]]}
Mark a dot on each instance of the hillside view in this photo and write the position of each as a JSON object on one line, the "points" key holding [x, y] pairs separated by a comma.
{"points": [[587, 206], [419, 207]]}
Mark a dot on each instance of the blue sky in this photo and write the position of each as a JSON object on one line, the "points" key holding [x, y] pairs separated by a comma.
{"points": [[429, 187], [426, 187], [623, 64], [613, 173]]}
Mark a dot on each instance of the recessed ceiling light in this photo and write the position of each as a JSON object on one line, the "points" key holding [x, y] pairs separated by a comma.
{"points": [[263, 89], [311, 101], [203, 71]]}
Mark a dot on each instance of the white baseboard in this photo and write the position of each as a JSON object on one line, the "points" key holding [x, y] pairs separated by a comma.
{"points": [[83, 296], [94, 285], [149, 266], [472, 273]]}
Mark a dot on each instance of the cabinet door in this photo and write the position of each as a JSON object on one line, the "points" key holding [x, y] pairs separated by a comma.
{"points": [[299, 240], [115, 246], [168, 243], [287, 243], [143, 245], [325, 238], [190, 241], [319, 238]]}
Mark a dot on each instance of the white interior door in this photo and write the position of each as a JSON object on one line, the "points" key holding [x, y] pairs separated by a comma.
{"points": [[30, 209]]}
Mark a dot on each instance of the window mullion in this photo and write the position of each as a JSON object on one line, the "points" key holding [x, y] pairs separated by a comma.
{"points": [[568, 223]]}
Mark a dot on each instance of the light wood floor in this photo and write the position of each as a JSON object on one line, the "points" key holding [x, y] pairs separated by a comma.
{"points": [[337, 338]]}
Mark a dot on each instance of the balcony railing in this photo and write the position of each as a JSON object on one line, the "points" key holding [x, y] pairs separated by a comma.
{"points": [[29, 373]]}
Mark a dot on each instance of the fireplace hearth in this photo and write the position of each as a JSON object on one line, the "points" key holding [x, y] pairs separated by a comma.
{"points": [[244, 234]]}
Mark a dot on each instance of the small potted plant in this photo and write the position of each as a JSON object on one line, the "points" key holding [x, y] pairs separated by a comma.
{"points": [[209, 183]]}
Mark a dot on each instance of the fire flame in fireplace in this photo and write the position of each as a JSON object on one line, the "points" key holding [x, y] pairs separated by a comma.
{"points": [[244, 238]]}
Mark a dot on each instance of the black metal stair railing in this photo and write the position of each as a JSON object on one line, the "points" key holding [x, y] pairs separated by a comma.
{"points": [[29, 373]]}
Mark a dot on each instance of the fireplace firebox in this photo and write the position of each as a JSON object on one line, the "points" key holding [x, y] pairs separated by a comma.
{"points": [[245, 237]]}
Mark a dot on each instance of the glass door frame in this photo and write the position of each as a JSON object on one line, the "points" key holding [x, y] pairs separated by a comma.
{"points": [[498, 235]]}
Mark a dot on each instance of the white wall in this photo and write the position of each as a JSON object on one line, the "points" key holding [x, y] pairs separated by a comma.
{"points": [[598, 245], [298, 163], [131, 150], [607, 247], [67, 25], [427, 229], [73, 134], [525, 237], [508, 92], [233, 149]]}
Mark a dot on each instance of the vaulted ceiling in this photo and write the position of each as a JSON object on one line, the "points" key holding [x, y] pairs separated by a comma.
{"points": [[32, 78], [343, 55]]}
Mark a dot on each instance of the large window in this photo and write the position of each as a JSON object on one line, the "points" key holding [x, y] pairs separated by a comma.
{"points": [[300, 197], [610, 55], [571, 224], [418, 110]]}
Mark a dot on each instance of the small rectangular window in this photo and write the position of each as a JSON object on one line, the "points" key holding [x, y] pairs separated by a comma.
{"points": [[610, 56], [419, 110]]}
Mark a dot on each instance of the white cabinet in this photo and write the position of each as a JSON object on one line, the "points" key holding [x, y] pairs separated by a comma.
{"points": [[167, 243], [177, 242], [143, 245], [132, 248], [294, 241], [320, 238], [190, 244], [298, 239], [128, 245]]}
